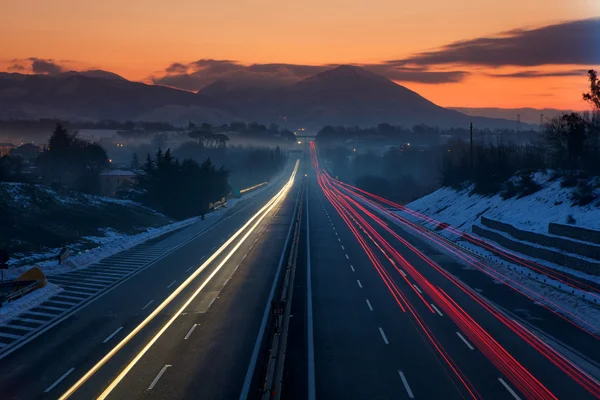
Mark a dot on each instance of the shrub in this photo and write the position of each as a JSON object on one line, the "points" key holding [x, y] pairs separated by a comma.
{"points": [[509, 190], [569, 181], [583, 195], [527, 185]]}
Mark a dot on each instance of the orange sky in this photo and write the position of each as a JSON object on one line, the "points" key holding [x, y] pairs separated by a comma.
{"points": [[140, 38]]}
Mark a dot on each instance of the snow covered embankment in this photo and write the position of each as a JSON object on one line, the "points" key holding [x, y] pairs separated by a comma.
{"points": [[533, 213]]}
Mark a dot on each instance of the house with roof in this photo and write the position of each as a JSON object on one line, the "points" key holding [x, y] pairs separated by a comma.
{"points": [[112, 180]]}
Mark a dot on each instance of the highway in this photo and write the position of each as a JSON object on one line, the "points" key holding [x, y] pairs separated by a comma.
{"points": [[212, 290], [380, 310], [389, 321]]}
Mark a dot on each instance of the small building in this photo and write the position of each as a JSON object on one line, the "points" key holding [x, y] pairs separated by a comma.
{"points": [[29, 151], [6, 148], [112, 180]]}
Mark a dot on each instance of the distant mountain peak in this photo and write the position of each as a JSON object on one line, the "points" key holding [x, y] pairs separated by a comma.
{"points": [[94, 73], [348, 73]]}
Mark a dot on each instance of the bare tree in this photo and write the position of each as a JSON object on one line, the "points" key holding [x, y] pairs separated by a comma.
{"points": [[593, 96]]}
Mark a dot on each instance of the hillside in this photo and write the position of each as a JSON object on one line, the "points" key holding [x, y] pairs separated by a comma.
{"points": [[533, 213], [346, 95], [37, 218]]}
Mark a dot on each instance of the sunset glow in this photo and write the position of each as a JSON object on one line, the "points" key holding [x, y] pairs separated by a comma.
{"points": [[140, 39]]}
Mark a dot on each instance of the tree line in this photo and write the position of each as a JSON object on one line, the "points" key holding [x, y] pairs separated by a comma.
{"points": [[180, 189], [569, 145]]}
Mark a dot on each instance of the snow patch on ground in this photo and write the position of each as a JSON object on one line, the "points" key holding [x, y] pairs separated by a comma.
{"points": [[115, 242], [12, 309], [552, 203], [533, 213]]}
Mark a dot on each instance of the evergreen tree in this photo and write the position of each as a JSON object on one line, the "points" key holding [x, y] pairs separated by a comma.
{"points": [[135, 162]]}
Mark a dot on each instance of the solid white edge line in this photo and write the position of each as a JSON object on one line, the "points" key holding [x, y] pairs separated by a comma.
{"points": [[190, 331], [260, 215], [59, 380], [261, 332], [509, 389], [461, 337], [369, 304], [160, 373], [406, 386], [112, 335], [436, 310], [385, 339]]}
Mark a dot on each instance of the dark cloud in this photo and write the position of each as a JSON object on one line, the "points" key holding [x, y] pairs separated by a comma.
{"points": [[17, 68], [393, 71], [195, 75], [568, 43], [541, 74], [41, 66], [176, 68]]}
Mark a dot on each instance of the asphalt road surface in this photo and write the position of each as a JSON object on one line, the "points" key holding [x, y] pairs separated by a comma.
{"points": [[387, 322], [378, 312], [208, 347]]}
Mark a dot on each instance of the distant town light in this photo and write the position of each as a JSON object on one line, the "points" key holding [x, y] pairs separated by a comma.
{"points": [[110, 160], [354, 149], [299, 141]]}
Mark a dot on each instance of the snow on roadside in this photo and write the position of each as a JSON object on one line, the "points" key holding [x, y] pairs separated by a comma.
{"points": [[115, 242], [552, 203], [27, 302], [118, 243], [562, 302], [112, 243]]}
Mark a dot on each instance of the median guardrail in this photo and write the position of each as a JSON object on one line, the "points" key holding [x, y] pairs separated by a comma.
{"points": [[281, 311]]}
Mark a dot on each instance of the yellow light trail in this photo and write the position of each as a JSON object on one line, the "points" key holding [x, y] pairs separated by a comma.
{"points": [[264, 211]]}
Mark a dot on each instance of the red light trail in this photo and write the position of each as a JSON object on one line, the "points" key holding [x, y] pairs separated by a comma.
{"points": [[343, 198]]}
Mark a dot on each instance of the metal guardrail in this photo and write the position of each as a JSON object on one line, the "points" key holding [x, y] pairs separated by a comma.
{"points": [[281, 309], [12, 290], [251, 188]]}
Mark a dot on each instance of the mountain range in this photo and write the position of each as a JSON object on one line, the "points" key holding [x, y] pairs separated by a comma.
{"points": [[345, 95]]}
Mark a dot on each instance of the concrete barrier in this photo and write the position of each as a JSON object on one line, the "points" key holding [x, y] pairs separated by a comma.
{"points": [[574, 232], [589, 250], [544, 253]]}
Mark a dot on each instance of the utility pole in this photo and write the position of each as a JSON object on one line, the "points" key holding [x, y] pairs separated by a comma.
{"points": [[518, 122], [541, 121], [471, 130]]}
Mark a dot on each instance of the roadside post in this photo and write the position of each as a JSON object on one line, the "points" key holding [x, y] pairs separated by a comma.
{"points": [[4, 257]]}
